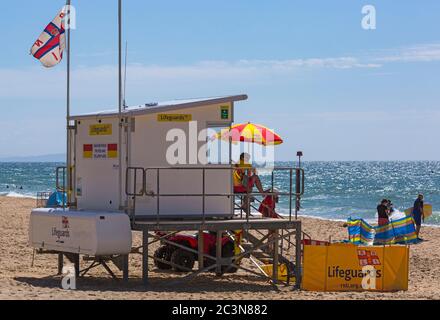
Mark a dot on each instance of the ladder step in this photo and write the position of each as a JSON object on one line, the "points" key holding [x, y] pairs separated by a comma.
{"points": [[266, 261], [260, 255], [247, 246]]}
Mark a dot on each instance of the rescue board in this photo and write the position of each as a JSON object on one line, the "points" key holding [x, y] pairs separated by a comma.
{"points": [[427, 209]]}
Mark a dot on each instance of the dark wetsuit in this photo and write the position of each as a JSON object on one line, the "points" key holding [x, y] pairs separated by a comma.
{"points": [[417, 212]]}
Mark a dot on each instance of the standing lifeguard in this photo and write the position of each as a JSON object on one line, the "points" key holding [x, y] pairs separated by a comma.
{"points": [[418, 214]]}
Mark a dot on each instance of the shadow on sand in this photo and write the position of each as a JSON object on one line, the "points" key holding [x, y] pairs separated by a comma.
{"points": [[231, 283]]}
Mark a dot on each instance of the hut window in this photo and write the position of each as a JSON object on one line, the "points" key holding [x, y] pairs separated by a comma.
{"points": [[218, 150]]}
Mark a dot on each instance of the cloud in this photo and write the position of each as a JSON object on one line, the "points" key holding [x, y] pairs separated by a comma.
{"points": [[92, 81], [287, 65], [418, 53], [97, 81], [31, 82]]}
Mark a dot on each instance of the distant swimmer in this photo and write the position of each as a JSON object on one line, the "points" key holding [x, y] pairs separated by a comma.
{"points": [[7, 187], [21, 188]]}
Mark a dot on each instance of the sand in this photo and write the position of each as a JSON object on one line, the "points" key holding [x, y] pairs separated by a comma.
{"points": [[19, 280]]}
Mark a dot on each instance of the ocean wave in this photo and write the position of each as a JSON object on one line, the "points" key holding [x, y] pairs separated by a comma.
{"points": [[17, 195], [317, 197], [264, 172]]}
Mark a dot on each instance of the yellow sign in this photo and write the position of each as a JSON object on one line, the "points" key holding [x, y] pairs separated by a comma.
{"points": [[347, 267], [174, 117], [101, 130]]}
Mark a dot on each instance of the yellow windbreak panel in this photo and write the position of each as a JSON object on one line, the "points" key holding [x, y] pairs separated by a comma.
{"points": [[396, 268], [314, 268]]}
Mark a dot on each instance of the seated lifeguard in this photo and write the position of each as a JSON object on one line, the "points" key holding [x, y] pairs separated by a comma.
{"points": [[245, 177]]}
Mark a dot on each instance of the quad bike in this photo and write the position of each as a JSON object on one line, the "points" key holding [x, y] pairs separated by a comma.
{"points": [[183, 259]]}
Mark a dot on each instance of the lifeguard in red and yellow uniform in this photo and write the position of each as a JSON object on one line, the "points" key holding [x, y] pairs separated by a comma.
{"points": [[245, 177]]}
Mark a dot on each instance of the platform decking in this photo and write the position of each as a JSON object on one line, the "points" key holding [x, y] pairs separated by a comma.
{"points": [[274, 231], [216, 225]]}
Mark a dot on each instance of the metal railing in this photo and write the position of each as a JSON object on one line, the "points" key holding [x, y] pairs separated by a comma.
{"points": [[42, 198], [61, 179], [61, 174], [132, 189]]}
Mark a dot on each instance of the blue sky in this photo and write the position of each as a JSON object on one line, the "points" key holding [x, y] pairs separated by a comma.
{"points": [[329, 87]]}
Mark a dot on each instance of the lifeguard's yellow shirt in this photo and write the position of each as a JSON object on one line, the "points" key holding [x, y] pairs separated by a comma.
{"points": [[239, 173]]}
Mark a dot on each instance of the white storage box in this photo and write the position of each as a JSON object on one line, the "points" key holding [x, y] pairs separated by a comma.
{"points": [[84, 232]]}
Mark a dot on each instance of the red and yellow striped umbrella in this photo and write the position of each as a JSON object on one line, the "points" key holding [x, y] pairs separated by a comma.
{"points": [[252, 133]]}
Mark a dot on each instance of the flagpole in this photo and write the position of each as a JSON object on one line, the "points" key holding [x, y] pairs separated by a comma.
{"points": [[68, 157], [120, 101]]}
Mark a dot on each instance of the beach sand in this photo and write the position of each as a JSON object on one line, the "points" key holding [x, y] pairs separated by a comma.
{"points": [[19, 280]]}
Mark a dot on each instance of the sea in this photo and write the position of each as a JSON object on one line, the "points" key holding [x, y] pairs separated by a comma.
{"points": [[333, 190]]}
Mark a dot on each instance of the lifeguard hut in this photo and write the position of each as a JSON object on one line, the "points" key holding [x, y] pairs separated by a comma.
{"points": [[121, 180]]}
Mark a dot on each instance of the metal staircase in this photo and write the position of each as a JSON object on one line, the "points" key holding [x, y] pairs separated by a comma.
{"points": [[265, 255]]}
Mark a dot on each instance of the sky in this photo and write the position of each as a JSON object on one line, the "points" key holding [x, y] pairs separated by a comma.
{"points": [[329, 87]]}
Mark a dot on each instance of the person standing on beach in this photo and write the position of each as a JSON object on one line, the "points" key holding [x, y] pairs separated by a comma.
{"points": [[418, 214], [383, 213]]}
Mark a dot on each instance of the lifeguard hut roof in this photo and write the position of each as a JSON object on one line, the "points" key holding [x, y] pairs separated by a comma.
{"points": [[165, 106]]}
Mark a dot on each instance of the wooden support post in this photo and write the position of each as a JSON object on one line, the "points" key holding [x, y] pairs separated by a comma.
{"points": [[125, 274], [76, 264], [218, 251], [200, 249], [276, 247], [298, 249], [145, 257], [60, 263]]}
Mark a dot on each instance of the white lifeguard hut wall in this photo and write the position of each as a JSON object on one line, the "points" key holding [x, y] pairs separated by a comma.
{"points": [[95, 224], [145, 145]]}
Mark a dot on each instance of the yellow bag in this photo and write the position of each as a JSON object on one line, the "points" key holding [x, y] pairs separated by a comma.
{"points": [[282, 272]]}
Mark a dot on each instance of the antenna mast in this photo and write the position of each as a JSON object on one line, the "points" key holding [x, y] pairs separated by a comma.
{"points": [[125, 75]]}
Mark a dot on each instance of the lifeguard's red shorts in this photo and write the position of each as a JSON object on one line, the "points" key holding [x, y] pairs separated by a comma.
{"points": [[242, 189]]}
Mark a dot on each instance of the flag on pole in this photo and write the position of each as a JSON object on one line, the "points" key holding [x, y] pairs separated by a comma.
{"points": [[51, 43]]}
